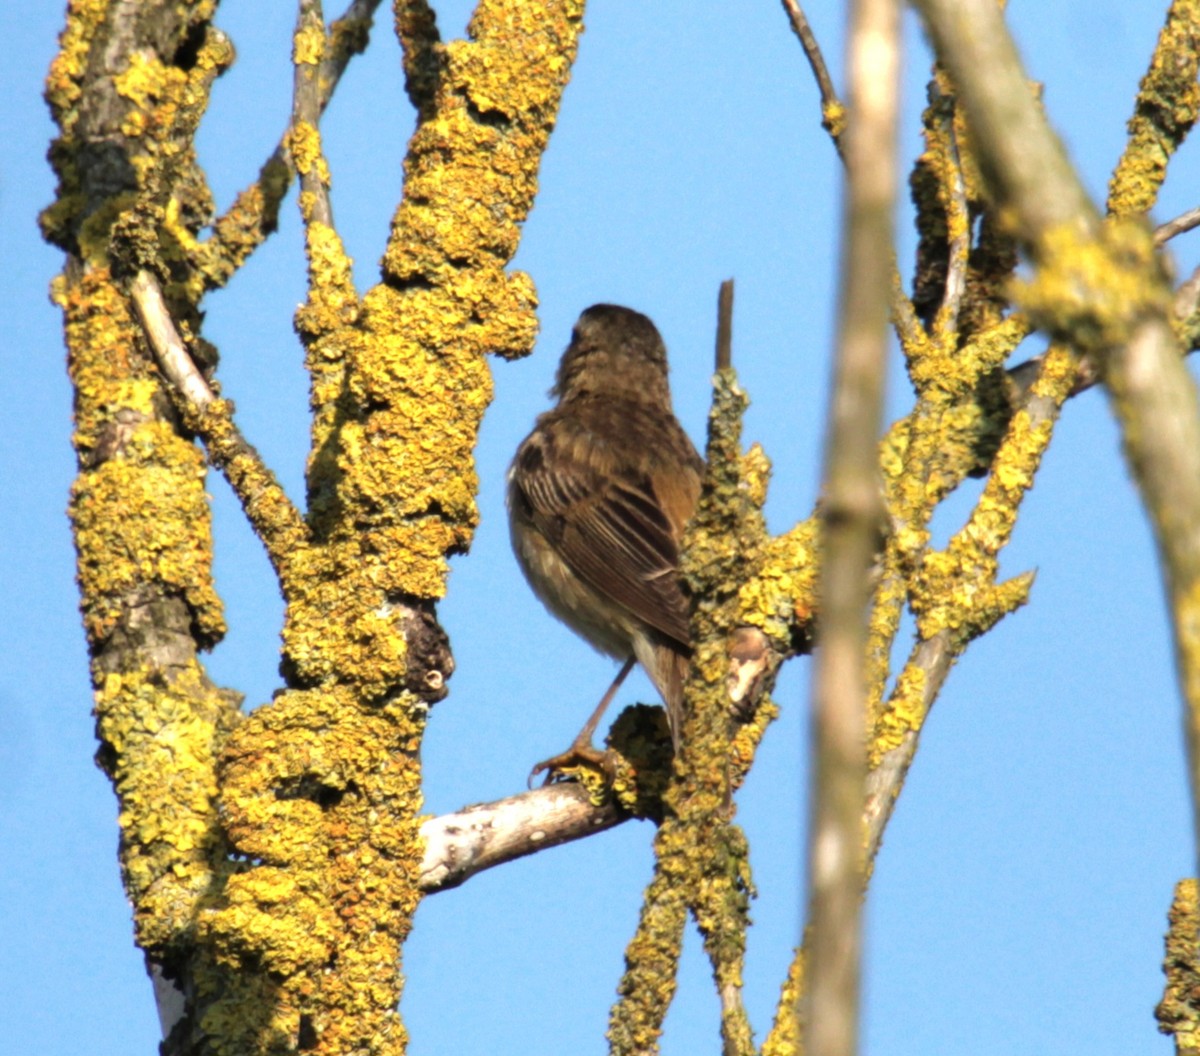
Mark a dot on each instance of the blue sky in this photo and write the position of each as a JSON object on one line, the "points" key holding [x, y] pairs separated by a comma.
{"points": [[1020, 897]]}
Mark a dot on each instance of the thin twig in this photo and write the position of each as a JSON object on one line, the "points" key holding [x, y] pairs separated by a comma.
{"points": [[348, 36], [904, 316], [1182, 223], [274, 519], [831, 105], [306, 109], [1187, 298], [171, 354], [724, 358], [852, 513], [958, 220], [255, 213]]}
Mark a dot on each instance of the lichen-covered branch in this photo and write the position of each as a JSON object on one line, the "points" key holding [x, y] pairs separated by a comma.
{"points": [[399, 384], [1178, 1013], [834, 121], [275, 520], [1100, 286], [1165, 111], [970, 417], [130, 192], [753, 595], [274, 861], [416, 29], [254, 214]]}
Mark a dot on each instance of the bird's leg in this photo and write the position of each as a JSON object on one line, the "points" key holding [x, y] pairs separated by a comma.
{"points": [[582, 750], [584, 737]]}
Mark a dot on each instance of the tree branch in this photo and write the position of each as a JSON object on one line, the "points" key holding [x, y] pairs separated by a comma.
{"points": [[1103, 289], [1178, 1013], [833, 113], [255, 212], [833, 120], [172, 356], [276, 521], [853, 510], [459, 845], [1178, 226], [304, 143]]}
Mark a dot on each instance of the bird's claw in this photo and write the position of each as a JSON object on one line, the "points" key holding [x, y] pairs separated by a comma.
{"points": [[580, 754]]}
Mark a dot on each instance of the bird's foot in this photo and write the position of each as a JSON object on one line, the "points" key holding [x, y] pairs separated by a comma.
{"points": [[581, 754]]}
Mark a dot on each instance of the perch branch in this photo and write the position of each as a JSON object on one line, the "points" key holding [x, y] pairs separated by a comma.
{"points": [[459, 845]]}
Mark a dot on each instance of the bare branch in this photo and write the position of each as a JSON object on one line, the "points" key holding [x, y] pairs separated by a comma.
{"points": [[172, 356], [831, 106], [1181, 224], [958, 221], [833, 120], [724, 358], [459, 845], [852, 516]]}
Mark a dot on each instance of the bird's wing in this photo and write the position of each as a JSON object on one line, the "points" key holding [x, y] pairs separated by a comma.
{"points": [[610, 525]]}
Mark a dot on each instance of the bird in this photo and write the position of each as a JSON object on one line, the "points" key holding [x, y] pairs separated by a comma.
{"points": [[599, 494]]}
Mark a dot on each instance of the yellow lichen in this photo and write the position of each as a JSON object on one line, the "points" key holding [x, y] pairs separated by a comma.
{"points": [[1167, 106], [1095, 289], [1178, 1013], [318, 790], [161, 735], [308, 44], [304, 143], [323, 794]]}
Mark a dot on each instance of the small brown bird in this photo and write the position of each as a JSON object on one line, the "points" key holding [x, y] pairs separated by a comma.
{"points": [[598, 497]]}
